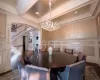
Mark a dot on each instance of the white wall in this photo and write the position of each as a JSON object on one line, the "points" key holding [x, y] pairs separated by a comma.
{"points": [[5, 43]]}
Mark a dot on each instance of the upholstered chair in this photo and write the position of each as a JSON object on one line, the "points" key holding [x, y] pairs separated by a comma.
{"points": [[37, 73], [73, 72], [81, 57]]}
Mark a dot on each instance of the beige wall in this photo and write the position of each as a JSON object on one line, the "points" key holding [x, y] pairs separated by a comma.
{"points": [[98, 32], [75, 30], [2, 24], [98, 24], [81, 36]]}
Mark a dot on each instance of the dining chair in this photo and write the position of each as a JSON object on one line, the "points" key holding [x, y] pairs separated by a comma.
{"points": [[56, 49], [73, 72], [69, 51], [37, 73], [81, 57]]}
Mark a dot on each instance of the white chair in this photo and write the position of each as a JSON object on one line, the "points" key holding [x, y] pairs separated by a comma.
{"points": [[36, 73]]}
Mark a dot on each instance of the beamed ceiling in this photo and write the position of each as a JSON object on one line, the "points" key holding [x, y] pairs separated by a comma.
{"points": [[63, 11]]}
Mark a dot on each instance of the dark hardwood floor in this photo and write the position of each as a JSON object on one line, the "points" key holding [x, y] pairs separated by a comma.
{"points": [[96, 67]]}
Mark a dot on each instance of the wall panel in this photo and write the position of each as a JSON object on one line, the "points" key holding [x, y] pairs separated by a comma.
{"points": [[75, 30], [2, 25], [86, 46]]}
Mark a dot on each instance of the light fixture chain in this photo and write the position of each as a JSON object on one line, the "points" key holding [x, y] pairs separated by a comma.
{"points": [[50, 5]]}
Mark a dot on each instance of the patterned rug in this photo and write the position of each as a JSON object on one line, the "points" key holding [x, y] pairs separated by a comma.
{"points": [[90, 74]]}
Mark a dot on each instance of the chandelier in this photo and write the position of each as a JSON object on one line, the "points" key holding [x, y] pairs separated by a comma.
{"points": [[50, 25]]}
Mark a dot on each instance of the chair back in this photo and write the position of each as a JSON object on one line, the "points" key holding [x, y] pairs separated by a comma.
{"points": [[81, 57], [77, 71], [37, 73], [56, 49], [73, 71], [69, 51]]}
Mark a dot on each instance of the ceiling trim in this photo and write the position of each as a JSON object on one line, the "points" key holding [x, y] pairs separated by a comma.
{"points": [[30, 17], [8, 7], [67, 7], [97, 11], [83, 16], [24, 5], [93, 6]]}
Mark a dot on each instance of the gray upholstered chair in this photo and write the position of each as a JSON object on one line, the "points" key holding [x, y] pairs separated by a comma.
{"points": [[81, 57], [73, 72]]}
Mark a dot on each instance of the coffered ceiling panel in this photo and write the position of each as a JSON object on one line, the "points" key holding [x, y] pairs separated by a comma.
{"points": [[73, 14], [42, 6]]}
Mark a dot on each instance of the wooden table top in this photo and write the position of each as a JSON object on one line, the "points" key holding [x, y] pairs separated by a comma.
{"points": [[57, 60]]}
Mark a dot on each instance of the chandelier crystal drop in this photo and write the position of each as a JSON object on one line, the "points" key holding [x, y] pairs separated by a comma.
{"points": [[49, 25]]}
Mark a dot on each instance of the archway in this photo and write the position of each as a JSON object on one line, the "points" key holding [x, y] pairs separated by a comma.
{"points": [[23, 38]]}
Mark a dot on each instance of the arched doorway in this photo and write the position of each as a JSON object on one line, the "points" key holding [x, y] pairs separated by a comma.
{"points": [[23, 38]]}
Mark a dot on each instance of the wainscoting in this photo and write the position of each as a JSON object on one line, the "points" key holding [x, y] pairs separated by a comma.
{"points": [[90, 47], [4, 57]]}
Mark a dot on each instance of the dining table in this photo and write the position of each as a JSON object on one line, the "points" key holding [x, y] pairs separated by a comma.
{"points": [[56, 60]]}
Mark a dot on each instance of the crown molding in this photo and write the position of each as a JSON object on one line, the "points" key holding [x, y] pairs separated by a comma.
{"points": [[67, 7], [8, 7], [24, 5], [77, 18], [79, 4], [97, 10], [30, 17], [93, 6]]}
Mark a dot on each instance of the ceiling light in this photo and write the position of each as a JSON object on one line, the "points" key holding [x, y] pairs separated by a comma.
{"points": [[37, 13], [48, 24], [76, 12]]}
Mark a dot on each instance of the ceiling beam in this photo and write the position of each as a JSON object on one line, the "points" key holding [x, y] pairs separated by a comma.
{"points": [[24, 5], [93, 6], [66, 7]]}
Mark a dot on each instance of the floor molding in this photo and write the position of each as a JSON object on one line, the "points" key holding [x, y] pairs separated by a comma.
{"points": [[5, 72]]}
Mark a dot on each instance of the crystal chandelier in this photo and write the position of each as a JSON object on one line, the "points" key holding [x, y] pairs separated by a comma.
{"points": [[49, 25]]}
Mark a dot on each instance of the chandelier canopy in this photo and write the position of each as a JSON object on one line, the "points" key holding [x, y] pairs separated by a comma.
{"points": [[48, 24]]}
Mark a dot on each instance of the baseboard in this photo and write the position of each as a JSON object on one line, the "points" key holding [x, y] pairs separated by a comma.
{"points": [[5, 72]]}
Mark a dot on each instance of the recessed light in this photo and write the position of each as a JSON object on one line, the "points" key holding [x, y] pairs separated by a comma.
{"points": [[37, 13], [76, 12]]}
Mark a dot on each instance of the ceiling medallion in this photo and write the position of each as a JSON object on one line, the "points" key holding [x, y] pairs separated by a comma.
{"points": [[49, 25]]}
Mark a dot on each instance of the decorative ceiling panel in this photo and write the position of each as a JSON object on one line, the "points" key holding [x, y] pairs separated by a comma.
{"points": [[42, 7]]}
